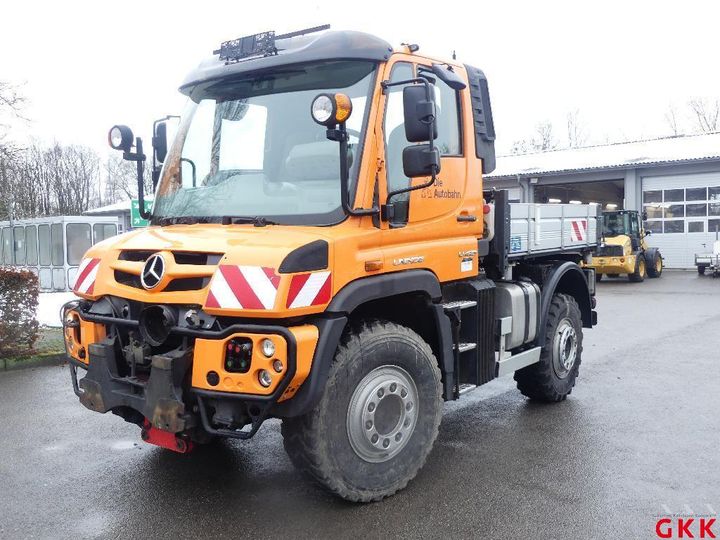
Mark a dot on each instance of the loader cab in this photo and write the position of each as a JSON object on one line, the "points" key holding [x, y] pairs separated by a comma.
{"points": [[625, 223]]}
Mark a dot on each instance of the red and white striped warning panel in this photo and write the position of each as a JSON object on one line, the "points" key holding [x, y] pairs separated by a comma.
{"points": [[243, 287], [86, 275], [311, 289], [578, 230]]}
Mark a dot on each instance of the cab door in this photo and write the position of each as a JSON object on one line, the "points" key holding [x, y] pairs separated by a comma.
{"points": [[436, 227]]}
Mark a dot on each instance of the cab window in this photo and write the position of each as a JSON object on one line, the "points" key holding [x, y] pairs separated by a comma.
{"points": [[395, 141], [449, 141]]}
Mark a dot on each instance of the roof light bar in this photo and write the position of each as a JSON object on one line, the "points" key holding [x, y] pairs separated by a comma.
{"points": [[262, 44]]}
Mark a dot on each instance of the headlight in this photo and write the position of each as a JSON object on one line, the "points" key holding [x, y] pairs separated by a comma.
{"points": [[120, 138], [322, 108], [268, 348], [265, 378], [331, 109]]}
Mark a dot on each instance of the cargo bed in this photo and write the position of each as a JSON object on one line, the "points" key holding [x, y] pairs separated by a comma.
{"points": [[545, 229]]}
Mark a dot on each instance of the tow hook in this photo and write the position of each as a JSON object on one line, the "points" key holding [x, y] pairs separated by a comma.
{"points": [[164, 439]]}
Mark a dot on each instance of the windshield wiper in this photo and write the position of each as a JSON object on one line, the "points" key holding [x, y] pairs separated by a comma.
{"points": [[183, 220], [257, 221]]}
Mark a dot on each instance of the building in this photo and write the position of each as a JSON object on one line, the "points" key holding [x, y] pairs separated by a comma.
{"points": [[52, 247], [675, 180], [128, 219]]}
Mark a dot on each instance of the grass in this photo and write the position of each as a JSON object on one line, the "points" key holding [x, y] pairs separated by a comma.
{"points": [[49, 345]]}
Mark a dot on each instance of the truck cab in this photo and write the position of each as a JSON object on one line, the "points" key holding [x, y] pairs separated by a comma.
{"points": [[321, 250], [624, 248]]}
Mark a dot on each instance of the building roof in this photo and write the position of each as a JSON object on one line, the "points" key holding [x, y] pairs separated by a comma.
{"points": [[669, 150], [112, 209]]}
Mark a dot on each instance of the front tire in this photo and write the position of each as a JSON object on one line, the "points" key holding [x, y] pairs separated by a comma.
{"points": [[553, 377], [701, 270], [655, 266], [378, 417], [640, 269]]}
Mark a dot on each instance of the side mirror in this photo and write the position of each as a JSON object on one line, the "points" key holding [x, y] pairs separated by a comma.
{"points": [[419, 111], [159, 141], [419, 160]]}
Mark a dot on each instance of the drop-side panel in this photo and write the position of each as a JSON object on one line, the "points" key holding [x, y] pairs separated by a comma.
{"points": [[552, 228]]}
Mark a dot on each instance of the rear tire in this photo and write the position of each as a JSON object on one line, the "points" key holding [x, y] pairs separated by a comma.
{"points": [[553, 377], [656, 265], [640, 269], [598, 276], [613, 275], [378, 417], [701, 270]]}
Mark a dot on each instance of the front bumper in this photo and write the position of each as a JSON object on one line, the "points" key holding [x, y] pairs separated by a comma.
{"points": [[175, 394]]}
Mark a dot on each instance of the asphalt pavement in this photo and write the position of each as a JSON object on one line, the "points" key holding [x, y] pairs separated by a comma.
{"points": [[638, 437]]}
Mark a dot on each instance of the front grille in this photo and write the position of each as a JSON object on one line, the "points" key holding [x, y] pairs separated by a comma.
{"points": [[181, 257], [610, 251], [125, 278], [178, 284], [192, 283], [187, 284]]}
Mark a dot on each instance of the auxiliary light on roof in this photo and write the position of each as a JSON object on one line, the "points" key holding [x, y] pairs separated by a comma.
{"points": [[262, 44]]}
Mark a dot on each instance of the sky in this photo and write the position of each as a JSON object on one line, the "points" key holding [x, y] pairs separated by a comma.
{"points": [[87, 65]]}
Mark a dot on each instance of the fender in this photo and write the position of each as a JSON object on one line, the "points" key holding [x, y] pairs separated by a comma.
{"points": [[369, 288], [568, 278], [334, 320]]}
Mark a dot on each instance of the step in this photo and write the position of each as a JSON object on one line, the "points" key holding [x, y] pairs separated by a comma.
{"points": [[466, 387], [459, 304], [464, 347]]}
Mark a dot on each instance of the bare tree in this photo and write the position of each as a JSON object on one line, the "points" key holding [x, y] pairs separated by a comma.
{"points": [[121, 180], [544, 138], [522, 146], [672, 120], [12, 103], [707, 114], [576, 132]]}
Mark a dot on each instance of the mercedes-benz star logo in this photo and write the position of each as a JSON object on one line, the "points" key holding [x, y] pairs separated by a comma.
{"points": [[153, 271]]}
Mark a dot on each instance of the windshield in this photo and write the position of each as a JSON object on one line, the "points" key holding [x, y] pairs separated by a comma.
{"points": [[616, 223], [248, 147]]}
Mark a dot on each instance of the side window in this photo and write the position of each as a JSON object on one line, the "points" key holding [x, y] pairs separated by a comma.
{"points": [[20, 245], [31, 239], [6, 246], [395, 141], [57, 244], [449, 141], [102, 231], [78, 242], [44, 243]]}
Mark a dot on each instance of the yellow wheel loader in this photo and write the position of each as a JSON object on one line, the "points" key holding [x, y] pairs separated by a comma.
{"points": [[624, 249]]}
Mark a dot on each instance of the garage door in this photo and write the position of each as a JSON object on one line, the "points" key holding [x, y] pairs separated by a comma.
{"points": [[683, 213]]}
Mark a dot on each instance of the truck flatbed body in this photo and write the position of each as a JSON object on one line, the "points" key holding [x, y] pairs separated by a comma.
{"points": [[547, 229]]}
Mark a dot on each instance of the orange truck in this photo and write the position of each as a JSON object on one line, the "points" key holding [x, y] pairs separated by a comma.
{"points": [[321, 251]]}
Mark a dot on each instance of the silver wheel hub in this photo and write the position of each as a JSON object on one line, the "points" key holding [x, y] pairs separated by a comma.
{"points": [[382, 414], [565, 345]]}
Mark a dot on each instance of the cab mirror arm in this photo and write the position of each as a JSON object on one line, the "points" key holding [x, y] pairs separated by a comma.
{"points": [[340, 135]]}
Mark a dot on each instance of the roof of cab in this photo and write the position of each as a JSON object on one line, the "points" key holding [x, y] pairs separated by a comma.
{"points": [[331, 45]]}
